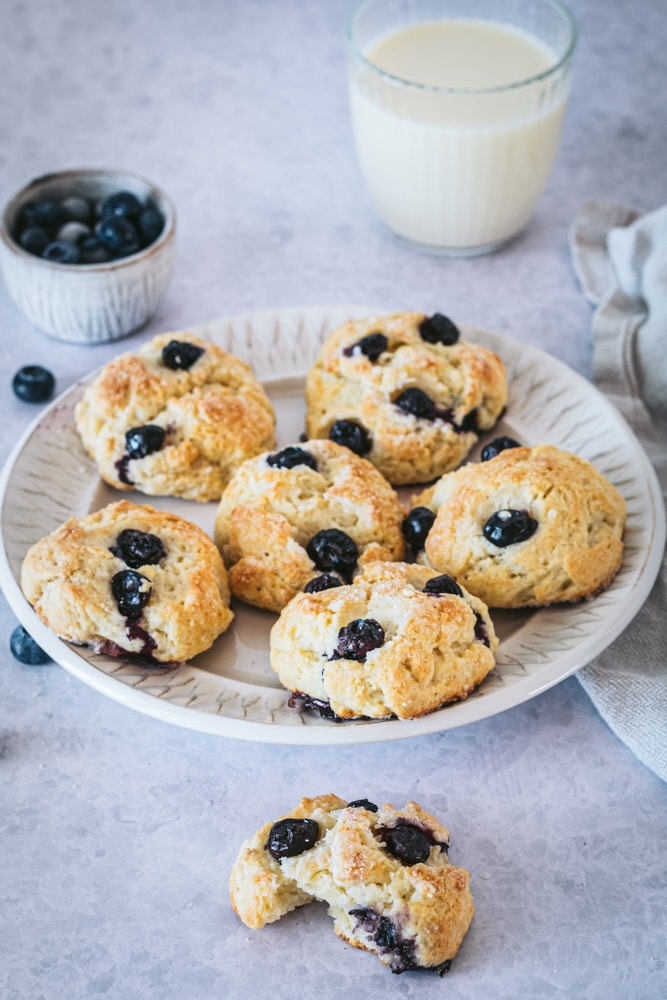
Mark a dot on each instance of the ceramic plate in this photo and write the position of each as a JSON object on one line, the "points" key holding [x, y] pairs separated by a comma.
{"points": [[230, 690]]}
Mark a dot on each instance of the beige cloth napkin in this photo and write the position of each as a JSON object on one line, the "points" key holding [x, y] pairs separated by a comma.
{"points": [[620, 259]]}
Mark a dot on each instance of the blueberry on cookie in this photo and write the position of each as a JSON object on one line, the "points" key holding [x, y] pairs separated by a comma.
{"points": [[400, 641], [306, 517], [525, 527], [406, 391]]}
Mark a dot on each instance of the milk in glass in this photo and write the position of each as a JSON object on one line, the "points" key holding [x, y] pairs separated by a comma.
{"points": [[456, 131]]}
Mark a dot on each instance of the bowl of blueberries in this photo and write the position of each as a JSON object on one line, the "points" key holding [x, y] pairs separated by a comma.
{"points": [[87, 254]]}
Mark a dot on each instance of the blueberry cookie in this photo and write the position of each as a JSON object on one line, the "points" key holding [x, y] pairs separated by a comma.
{"points": [[174, 419], [305, 516], [401, 640], [529, 526], [384, 873], [130, 580], [406, 392]]}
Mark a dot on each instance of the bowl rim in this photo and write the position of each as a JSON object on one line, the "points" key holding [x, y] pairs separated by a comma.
{"points": [[30, 189]]}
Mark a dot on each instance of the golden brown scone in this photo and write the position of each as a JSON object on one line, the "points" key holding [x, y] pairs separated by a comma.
{"points": [[176, 418], [384, 873], [130, 580], [400, 641], [531, 526], [415, 394], [280, 520]]}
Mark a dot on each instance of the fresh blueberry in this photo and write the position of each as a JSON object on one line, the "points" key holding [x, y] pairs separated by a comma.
{"points": [[34, 240], [150, 224], [25, 649], [507, 527], [439, 329], [142, 441], [33, 384], [77, 208], [44, 213], [358, 638], [443, 584], [498, 444], [363, 804], [333, 550], [289, 837], [180, 354], [132, 592], [325, 581], [407, 843], [415, 402], [371, 346], [59, 252], [138, 548], [93, 251], [291, 456], [351, 435], [416, 527], [119, 235], [123, 204]]}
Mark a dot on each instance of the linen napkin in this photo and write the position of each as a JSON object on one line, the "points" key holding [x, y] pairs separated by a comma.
{"points": [[620, 259]]}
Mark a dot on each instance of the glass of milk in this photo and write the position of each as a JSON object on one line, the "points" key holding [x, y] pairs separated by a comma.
{"points": [[457, 109]]}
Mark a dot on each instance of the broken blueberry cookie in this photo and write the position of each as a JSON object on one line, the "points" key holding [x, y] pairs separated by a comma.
{"points": [[384, 873]]}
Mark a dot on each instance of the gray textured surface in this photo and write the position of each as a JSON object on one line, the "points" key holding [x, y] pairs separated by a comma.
{"points": [[116, 831]]}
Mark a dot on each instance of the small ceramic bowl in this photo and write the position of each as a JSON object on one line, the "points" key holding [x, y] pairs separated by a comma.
{"points": [[88, 303]]}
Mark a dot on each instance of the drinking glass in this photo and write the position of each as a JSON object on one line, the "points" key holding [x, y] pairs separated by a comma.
{"points": [[457, 110]]}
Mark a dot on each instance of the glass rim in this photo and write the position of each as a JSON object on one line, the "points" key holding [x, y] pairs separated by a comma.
{"points": [[433, 88]]}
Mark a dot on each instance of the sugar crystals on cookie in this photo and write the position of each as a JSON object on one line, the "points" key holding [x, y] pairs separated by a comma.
{"points": [[384, 873], [130, 580], [176, 418], [406, 391], [524, 527]]}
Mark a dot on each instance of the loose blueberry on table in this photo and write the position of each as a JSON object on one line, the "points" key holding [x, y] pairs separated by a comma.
{"points": [[33, 384], [78, 230], [290, 457], [351, 435], [508, 527], [25, 649], [289, 837]]}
